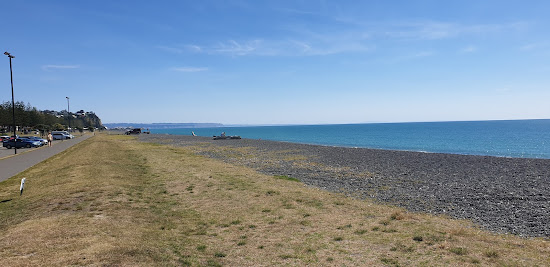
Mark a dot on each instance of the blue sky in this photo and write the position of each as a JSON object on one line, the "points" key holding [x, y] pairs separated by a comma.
{"points": [[281, 62]]}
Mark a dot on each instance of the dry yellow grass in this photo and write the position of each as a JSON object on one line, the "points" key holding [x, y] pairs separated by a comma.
{"points": [[114, 201]]}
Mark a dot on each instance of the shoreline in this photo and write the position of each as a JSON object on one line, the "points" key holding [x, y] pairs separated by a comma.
{"points": [[504, 195], [375, 148], [515, 139], [382, 149]]}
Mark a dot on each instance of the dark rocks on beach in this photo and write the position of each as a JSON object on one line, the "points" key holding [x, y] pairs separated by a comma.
{"points": [[505, 195]]}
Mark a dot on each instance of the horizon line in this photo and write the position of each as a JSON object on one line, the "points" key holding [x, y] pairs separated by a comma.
{"points": [[305, 124]]}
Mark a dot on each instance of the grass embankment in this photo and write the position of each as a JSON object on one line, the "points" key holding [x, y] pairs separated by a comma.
{"points": [[113, 201]]}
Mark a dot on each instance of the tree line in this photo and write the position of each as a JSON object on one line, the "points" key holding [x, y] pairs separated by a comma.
{"points": [[29, 117]]}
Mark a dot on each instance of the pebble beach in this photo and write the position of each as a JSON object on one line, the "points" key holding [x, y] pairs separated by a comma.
{"points": [[503, 195]]}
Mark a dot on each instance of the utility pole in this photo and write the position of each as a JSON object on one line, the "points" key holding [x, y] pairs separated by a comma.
{"points": [[68, 114], [12, 103]]}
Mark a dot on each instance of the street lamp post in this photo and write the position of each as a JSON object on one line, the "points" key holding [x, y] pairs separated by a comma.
{"points": [[68, 113], [12, 101]]}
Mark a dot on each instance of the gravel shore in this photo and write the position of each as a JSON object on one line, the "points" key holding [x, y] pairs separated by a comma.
{"points": [[505, 195]]}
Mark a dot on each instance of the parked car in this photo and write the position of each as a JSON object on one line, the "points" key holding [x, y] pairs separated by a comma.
{"points": [[68, 135], [6, 137], [20, 142], [61, 136], [36, 138], [133, 131]]}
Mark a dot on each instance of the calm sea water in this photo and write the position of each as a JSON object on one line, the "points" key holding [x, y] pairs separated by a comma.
{"points": [[519, 138]]}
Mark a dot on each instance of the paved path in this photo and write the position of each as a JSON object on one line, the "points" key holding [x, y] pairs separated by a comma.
{"points": [[26, 158]]}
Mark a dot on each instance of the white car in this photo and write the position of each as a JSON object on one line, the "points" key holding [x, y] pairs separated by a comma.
{"points": [[67, 134], [60, 136]]}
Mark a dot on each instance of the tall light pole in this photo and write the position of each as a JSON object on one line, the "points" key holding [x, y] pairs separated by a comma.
{"points": [[12, 102], [68, 113]]}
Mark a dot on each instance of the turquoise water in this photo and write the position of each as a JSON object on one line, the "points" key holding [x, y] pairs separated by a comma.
{"points": [[519, 138]]}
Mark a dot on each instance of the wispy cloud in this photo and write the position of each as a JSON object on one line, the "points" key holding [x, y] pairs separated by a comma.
{"points": [[414, 56], [235, 48], [349, 36], [428, 31], [469, 49], [180, 49], [170, 49], [56, 67], [314, 43], [503, 90], [194, 48], [409, 57], [535, 46], [358, 37], [312, 46], [422, 54], [189, 69], [296, 11], [433, 30]]}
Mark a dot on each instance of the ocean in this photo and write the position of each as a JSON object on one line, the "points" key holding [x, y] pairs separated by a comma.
{"points": [[514, 138]]}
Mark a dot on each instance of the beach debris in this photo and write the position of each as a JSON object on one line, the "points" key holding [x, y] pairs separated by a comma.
{"points": [[22, 186], [223, 137]]}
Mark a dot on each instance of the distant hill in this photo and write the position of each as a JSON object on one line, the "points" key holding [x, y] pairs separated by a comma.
{"points": [[161, 125]]}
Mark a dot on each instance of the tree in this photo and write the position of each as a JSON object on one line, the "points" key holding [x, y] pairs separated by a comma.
{"points": [[27, 116], [59, 127], [42, 127]]}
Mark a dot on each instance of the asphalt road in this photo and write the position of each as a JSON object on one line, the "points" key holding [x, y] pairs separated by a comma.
{"points": [[11, 164]]}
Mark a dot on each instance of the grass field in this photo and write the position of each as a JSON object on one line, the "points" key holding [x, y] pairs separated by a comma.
{"points": [[113, 201]]}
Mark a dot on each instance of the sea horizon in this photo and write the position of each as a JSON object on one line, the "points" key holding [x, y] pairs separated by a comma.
{"points": [[501, 138], [157, 124]]}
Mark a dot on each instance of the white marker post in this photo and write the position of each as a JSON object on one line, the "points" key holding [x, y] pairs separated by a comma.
{"points": [[22, 185]]}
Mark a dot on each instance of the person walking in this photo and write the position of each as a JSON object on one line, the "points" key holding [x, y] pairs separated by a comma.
{"points": [[50, 138]]}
